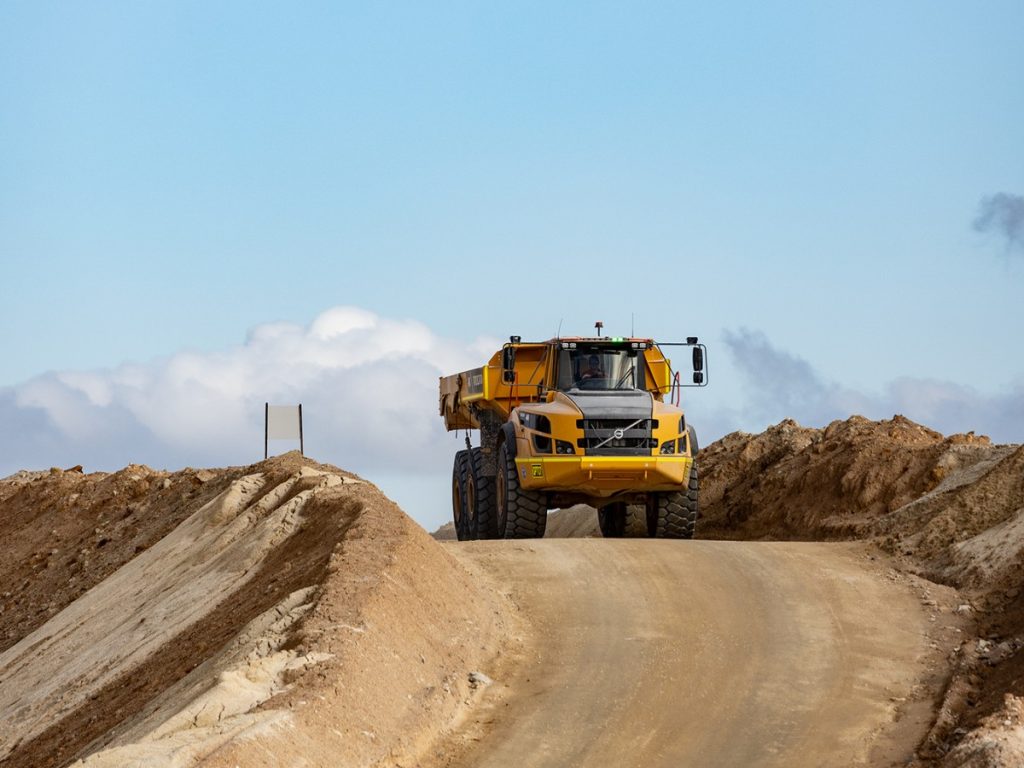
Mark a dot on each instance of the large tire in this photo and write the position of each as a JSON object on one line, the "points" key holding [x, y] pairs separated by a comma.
{"points": [[481, 503], [638, 522], [459, 518], [677, 511], [522, 514], [611, 519]]}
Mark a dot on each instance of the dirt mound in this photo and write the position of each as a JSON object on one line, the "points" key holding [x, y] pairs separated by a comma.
{"points": [[794, 482], [575, 522], [998, 742], [64, 532], [288, 603], [445, 533], [970, 528]]}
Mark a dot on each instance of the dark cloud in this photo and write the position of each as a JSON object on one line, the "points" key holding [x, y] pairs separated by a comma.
{"points": [[1003, 214], [779, 385], [777, 382]]}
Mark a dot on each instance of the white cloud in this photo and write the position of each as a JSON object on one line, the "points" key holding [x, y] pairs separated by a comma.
{"points": [[368, 386]]}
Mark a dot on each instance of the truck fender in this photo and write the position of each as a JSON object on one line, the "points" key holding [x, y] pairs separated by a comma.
{"points": [[508, 434]]}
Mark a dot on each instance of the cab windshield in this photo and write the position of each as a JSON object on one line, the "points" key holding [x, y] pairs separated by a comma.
{"points": [[600, 369]]}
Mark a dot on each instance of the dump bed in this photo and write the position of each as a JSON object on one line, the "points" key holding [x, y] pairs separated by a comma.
{"points": [[485, 388]]}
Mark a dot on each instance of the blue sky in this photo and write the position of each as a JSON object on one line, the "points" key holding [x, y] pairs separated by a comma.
{"points": [[175, 175]]}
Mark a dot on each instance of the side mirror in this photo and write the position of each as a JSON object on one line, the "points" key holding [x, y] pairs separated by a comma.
{"points": [[508, 364], [698, 377], [698, 361]]}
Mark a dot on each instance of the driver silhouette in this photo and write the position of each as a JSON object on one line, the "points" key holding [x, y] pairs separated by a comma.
{"points": [[594, 371]]}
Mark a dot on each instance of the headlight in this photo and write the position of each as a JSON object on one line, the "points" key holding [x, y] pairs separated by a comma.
{"points": [[535, 421], [668, 447], [563, 447]]}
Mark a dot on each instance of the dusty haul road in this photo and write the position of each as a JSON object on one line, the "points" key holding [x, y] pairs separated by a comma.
{"points": [[702, 653]]}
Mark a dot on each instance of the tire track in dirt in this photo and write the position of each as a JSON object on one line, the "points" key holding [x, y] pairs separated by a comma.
{"points": [[664, 653]]}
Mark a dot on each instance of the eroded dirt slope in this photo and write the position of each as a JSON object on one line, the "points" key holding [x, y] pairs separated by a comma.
{"points": [[284, 609], [64, 532]]}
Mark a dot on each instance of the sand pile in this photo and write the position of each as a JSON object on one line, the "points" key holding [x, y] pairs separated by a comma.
{"points": [[795, 482], [286, 608], [576, 522]]}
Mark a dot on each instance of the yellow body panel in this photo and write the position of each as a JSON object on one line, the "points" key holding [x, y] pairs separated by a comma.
{"points": [[603, 475]]}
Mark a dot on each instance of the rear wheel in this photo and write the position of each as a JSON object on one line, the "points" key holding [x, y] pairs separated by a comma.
{"points": [[676, 511], [522, 514], [480, 498], [638, 523], [459, 495], [611, 518]]}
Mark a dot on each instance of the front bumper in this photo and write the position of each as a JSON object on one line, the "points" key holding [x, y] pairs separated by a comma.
{"points": [[604, 475]]}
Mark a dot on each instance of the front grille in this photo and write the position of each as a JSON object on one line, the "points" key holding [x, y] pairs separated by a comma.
{"points": [[636, 437]]}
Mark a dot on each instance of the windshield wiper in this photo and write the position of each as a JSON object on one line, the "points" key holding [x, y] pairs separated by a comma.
{"points": [[629, 372]]}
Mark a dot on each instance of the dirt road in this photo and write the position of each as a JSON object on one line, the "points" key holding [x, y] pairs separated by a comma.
{"points": [[703, 653]]}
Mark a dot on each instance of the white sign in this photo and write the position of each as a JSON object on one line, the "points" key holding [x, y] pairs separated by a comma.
{"points": [[284, 422]]}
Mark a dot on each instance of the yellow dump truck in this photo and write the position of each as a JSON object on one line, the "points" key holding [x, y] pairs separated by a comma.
{"points": [[570, 421]]}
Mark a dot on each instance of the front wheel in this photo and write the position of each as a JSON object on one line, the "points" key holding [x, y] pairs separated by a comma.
{"points": [[522, 514], [676, 511]]}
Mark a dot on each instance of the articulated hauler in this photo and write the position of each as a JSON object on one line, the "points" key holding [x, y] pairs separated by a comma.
{"points": [[570, 421]]}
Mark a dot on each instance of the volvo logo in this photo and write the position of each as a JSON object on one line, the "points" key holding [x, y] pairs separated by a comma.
{"points": [[617, 434]]}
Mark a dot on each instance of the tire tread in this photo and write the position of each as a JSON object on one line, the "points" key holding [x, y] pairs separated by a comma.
{"points": [[677, 510], [459, 475], [485, 516], [526, 515]]}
